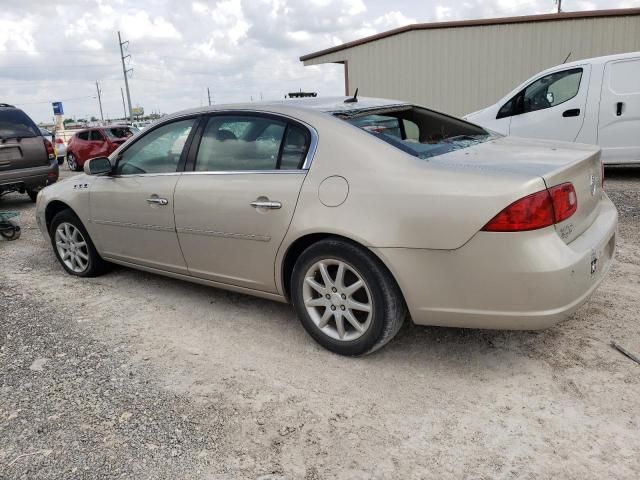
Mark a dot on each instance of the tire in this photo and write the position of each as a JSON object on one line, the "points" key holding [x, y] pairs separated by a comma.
{"points": [[72, 162], [88, 262], [33, 195], [319, 314], [13, 234]]}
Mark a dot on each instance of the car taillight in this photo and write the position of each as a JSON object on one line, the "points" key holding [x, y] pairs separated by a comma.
{"points": [[565, 201], [49, 147], [538, 210], [59, 140]]}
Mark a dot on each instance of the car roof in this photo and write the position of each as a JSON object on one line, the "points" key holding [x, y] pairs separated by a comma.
{"points": [[327, 105]]}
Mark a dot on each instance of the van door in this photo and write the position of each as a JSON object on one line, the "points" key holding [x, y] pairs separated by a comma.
{"points": [[619, 118], [552, 107]]}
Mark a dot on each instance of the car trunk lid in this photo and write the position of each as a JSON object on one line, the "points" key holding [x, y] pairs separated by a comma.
{"points": [[555, 162]]}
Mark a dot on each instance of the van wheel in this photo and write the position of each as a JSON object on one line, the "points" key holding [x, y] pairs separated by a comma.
{"points": [[345, 298], [73, 247]]}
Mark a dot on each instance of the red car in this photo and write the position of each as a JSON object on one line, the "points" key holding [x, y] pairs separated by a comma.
{"points": [[95, 142]]}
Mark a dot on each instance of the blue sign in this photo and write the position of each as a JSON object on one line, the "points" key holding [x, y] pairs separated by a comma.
{"points": [[57, 108]]}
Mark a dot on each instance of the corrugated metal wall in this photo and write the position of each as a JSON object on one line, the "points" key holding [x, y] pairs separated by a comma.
{"points": [[460, 70]]}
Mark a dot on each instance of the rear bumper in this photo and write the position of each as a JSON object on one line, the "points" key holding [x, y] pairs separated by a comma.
{"points": [[30, 178], [515, 281]]}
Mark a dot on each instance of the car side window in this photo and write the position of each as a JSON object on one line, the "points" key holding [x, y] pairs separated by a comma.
{"points": [[295, 147], [83, 136], [232, 143], [546, 92], [96, 135], [158, 151]]}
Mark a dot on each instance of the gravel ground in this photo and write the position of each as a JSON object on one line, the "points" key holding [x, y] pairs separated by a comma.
{"points": [[132, 375]]}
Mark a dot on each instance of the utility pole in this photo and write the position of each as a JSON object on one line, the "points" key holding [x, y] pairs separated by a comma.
{"points": [[124, 109], [99, 101], [125, 72], [209, 95], [559, 3]]}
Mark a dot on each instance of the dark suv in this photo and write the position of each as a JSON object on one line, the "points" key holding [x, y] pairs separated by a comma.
{"points": [[27, 159]]}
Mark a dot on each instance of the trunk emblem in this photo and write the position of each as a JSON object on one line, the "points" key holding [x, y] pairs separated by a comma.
{"points": [[593, 182]]}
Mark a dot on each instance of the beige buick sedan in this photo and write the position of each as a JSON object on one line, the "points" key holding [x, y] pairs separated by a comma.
{"points": [[360, 213]]}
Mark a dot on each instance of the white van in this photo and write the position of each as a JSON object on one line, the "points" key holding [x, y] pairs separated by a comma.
{"points": [[595, 101]]}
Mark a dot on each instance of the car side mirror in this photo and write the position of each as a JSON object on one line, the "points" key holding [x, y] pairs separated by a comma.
{"points": [[97, 166]]}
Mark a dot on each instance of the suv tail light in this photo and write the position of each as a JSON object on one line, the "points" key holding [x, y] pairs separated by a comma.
{"points": [[538, 210], [50, 152], [60, 141]]}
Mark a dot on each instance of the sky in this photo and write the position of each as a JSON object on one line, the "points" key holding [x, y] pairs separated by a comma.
{"points": [[241, 50]]}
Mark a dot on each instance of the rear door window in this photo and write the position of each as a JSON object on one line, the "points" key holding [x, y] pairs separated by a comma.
{"points": [[96, 136], [83, 136], [245, 143], [15, 123]]}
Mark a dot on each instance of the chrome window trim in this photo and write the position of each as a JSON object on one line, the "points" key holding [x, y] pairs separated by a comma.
{"points": [[245, 172], [308, 160], [220, 172]]}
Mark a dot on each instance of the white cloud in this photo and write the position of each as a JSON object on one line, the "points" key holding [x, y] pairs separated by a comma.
{"points": [[238, 48]]}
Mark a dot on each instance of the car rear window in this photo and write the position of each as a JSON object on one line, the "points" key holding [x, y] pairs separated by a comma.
{"points": [[117, 133], [417, 131], [15, 123]]}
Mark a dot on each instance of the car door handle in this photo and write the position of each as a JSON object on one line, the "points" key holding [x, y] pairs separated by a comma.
{"points": [[266, 204], [157, 201], [572, 112], [619, 108]]}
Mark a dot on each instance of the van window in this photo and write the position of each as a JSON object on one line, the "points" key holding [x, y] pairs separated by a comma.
{"points": [[552, 90], [546, 92]]}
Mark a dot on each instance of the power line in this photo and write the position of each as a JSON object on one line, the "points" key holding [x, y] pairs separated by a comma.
{"points": [[77, 65], [61, 100]]}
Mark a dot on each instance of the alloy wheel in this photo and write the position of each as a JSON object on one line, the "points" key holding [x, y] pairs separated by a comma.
{"points": [[72, 247], [71, 161], [337, 299]]}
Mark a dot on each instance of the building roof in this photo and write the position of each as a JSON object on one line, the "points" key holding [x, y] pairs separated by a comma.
{"points": [[476, 23]]}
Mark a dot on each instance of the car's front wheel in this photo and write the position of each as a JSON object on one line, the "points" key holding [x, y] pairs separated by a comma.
{"points": [[346, 299], [73, 247], [72, 162]]}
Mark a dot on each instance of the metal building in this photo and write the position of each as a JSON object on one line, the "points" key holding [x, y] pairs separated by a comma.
{"points": [[460, 67]]}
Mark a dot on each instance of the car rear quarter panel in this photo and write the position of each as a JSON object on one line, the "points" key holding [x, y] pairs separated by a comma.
{"points": [[396, 200]]}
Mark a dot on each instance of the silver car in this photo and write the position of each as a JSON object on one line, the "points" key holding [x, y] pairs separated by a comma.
{"points": [[360, 213]]}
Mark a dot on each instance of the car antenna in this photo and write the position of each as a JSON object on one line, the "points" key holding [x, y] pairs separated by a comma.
{"points": [[353, 99], [565, 60]]}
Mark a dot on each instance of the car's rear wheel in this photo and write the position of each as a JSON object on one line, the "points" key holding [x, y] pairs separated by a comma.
{"points": [[346, 299], [72, 162], [73, 247]]}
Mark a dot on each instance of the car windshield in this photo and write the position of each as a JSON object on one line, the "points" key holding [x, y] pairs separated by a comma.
{"points": [[118, 133], [15, 123], [417, 131]]}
